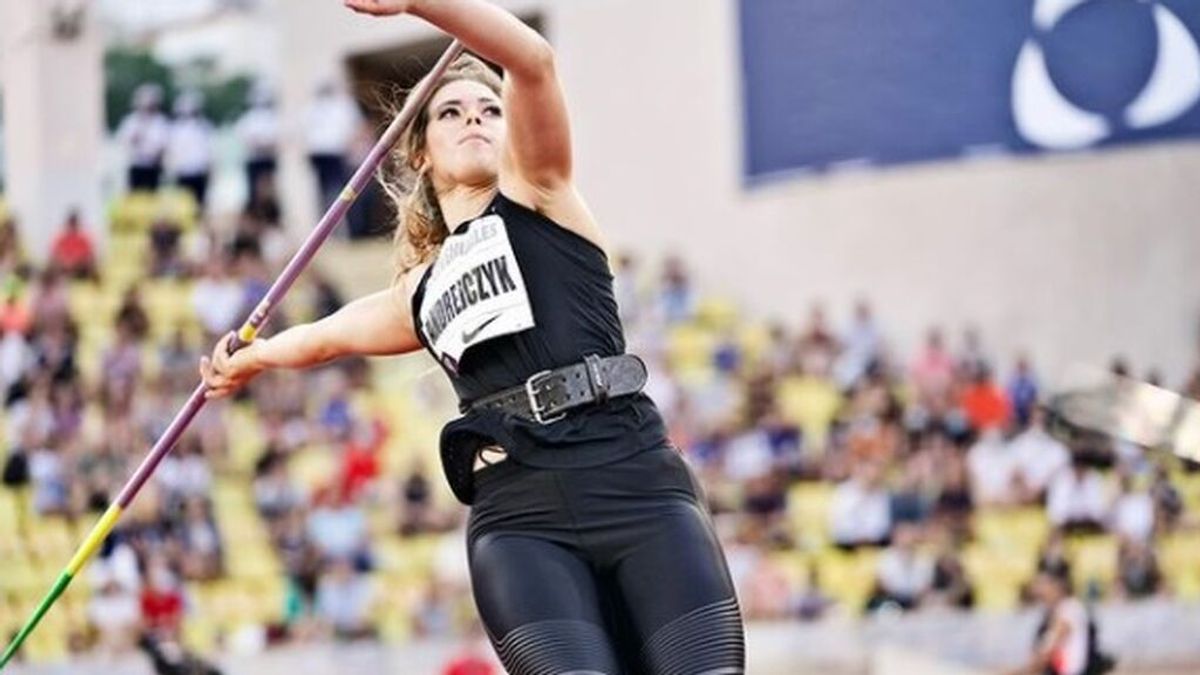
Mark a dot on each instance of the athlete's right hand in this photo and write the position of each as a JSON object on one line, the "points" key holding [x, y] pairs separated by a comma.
{"points": [[224, 373]]}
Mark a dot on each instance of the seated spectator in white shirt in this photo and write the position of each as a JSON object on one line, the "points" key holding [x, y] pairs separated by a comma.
{"points": [[860, 512], [344, 599], [905, 572], [1039, 457], [993, 469], [1132, 513], [1078, 499], [115, 614], [217, 298]]}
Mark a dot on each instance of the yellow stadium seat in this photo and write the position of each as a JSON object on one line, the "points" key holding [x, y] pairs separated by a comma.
{"points": [[135, 212], [997, 575], [808, 504], [1094, 561], [1188, 485], [811, 403], [9, 522], [717, 314], [848, 577], [1179, 557], [754, 341], [200, 634], [689, 349], [1023, 529]]}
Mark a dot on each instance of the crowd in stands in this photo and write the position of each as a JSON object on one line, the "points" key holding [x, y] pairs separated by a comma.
{"points": [[915, 446], [811, 443]]}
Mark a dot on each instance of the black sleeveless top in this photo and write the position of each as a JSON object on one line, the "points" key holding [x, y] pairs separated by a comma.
{"points": [[512, 293]]}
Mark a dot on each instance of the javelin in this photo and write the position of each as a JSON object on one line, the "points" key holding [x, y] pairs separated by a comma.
{"points": [[244, 336]]}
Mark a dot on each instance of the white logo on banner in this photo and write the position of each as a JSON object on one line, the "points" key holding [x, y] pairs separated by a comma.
{"points": [[1046, 118]]}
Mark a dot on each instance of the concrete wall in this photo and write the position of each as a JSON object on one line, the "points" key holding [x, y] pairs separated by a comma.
{"points": [[1074, 257], [53, 122]]}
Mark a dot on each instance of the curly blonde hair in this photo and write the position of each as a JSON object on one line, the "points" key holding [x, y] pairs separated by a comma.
{"points": [[421, 229]]}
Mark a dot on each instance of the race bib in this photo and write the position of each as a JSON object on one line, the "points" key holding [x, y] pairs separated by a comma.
{"points": [[475, 291]]}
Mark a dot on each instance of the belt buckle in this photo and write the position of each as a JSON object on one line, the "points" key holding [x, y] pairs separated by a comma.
{"points": [[531, 391]]}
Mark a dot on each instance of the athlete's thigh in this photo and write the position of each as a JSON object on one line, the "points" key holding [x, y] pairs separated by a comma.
{"points": [[676, 589], [539, 604]]}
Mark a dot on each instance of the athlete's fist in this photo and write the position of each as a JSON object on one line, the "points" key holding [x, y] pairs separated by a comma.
{"points": [[380, 7], [225, 373]]}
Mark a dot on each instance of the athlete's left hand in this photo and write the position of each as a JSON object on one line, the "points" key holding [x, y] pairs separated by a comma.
{"points": [[380, 7]]}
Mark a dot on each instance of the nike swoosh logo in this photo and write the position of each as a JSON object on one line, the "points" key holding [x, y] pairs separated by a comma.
{"points": [[469, 336]]}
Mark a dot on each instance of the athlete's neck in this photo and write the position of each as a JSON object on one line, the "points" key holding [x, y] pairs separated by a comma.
{"points": [[463, 202]]}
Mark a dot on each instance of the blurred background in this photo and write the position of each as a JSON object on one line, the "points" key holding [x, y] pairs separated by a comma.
{"points": [[856, 242]]}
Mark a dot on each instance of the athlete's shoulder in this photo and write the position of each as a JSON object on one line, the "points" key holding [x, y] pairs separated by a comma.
{"points": [[563, 207]]}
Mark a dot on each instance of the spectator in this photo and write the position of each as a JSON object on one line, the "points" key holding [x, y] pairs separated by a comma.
{"points": [[331, 121], [51, 477], [860, 511], [1066, 640], [905, 573], [17, 359], [1078, 499], [217, 298], [1168, 503], [984, 403], [12, 253], [932, 373], [338, 529], [50, 299], [72, 252], [474, 657], [1138, 573], [15, 314], [433, 615], [677, 301], [162, 600], [258, 130], [145, 133], [165, 257], [1039, 457], [950, 586], [344, 599], [114, 613], [417, 512], [817, 347], [275, 494], [1023, 392], [972, 360], [202, 554], [190, 146], [1132, 513], [133, 314], [994, 471], [862, 345], [813, 603]]}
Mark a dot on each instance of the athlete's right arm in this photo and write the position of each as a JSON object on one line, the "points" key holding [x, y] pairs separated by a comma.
{"points": [[375, 325]]}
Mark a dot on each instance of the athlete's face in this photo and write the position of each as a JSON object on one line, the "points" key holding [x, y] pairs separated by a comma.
{"points": [[465, 135]]}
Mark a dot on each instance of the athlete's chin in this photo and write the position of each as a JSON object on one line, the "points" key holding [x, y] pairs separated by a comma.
{"points": [[477, 173]]}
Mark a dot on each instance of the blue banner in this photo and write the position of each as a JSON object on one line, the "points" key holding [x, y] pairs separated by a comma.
{"points": [[829, 83]]}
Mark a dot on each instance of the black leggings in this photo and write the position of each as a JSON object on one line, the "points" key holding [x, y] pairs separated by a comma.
{"points": [[612, 570]]}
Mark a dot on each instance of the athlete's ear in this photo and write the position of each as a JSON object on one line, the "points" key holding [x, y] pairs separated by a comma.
{"points": [[418, 161]]}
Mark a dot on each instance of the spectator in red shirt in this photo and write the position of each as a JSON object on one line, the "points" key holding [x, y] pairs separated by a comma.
{"points": [[14, 311], [360, 457], [472, 658], [162, 600], [984, 403], [72, 251]]}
